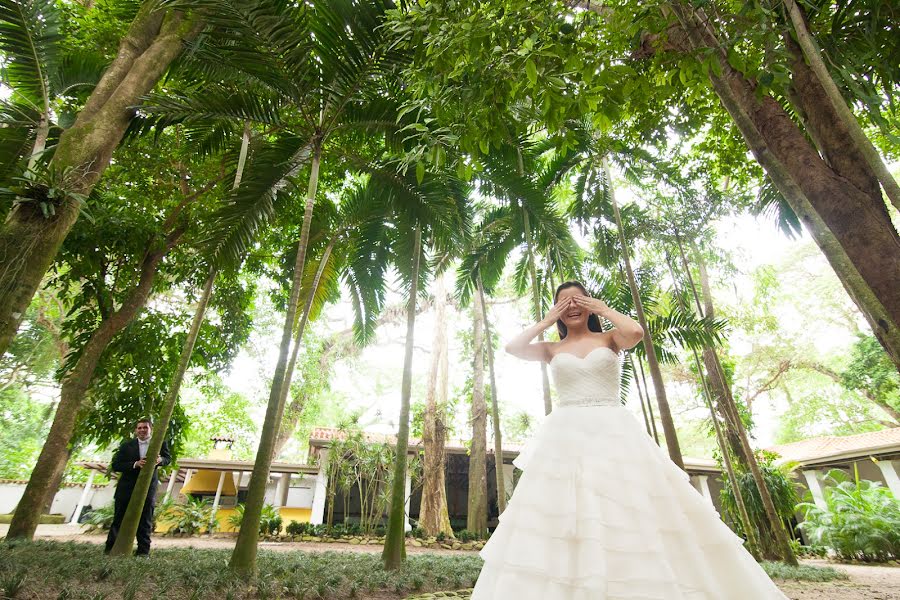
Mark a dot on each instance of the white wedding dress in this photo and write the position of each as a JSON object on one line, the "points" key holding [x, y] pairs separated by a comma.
{"points": [[601, 513]]}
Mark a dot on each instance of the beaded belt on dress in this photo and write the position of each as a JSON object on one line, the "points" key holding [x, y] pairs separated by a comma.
{"points": [[589, 401]]}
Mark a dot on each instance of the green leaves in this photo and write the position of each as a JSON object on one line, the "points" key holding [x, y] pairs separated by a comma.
{"points": [[29, 33], [531, 71]]}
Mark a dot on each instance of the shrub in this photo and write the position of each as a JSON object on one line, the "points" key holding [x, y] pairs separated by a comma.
{"points": [[860, 520], [269, 521], [101, 518], [418, 533], [191, 517], [467, 536], [297, 528]]}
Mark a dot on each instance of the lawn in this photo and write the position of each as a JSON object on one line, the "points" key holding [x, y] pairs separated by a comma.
{"points": [[79, 571]]}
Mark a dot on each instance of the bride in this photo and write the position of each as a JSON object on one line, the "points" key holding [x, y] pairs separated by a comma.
{"points": [[601, 513]]}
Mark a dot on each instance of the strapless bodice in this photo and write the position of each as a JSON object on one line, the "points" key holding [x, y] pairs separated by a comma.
{"points": [[592, 380]]}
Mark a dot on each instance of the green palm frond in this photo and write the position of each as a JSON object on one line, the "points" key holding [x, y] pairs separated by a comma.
{"points": [[17, 123], [211, 104], [245, 211], [76, 71], [772, 204], [29, 33]]}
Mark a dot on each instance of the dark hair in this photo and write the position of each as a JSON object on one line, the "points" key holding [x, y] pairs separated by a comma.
{"points": [[593, 320], [146, 420]]}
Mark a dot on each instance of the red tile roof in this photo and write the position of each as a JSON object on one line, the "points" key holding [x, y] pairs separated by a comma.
{"points": [[827, 447], [320, 436]]}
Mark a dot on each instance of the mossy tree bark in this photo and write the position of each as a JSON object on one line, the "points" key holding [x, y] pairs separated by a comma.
{"points": [[433, 515], [29, 241], [75, 384], [819, 169]]}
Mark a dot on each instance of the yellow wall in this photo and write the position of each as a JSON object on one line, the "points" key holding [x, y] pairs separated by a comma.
{"points": [[288, 514]]}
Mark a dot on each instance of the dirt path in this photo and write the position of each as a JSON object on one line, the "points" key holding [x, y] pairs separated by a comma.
{"points": [[865, 583]]}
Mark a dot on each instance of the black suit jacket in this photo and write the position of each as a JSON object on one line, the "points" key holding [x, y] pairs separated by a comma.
{"points": [[123, 462]]}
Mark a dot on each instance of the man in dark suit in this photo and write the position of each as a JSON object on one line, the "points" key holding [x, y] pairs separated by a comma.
{"points": [[128, 460]]}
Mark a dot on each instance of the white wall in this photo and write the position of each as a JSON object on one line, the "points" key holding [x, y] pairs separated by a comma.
{"points": [[65, 501]]}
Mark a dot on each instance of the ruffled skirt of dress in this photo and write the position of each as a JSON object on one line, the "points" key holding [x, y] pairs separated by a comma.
{"points": [[601, 513]]}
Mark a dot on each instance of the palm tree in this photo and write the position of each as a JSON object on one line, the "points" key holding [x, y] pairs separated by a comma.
{"points": [[522, 178], [323, 74], [433, 515], [432, 212], [128, 528]]}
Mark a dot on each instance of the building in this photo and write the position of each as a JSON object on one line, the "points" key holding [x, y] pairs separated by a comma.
{"points": [[299, 490]]}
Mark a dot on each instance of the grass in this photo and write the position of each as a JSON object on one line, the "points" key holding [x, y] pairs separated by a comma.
{"points": [[777, 570], [79, 571]]}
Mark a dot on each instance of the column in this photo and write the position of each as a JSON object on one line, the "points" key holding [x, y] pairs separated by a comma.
{"points": [[407, 526], [173, 477], [703, 481], [815, 487], [509, 477], [84, 498], [889, 471], [320, 490], [218, 497], [284, 487], [187, 477]]}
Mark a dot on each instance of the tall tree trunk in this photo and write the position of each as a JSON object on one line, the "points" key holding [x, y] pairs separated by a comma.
{"points": [[476, 521], [536, 307], [665, 413], [646, 388], [286, 430], [74, 386], [721, 440], [394, 543], [813, 56], [433, 515], [132, 518], [535, 289], [495, 406], [29, 241], [716, 375], [834, 193], [243, 558]]}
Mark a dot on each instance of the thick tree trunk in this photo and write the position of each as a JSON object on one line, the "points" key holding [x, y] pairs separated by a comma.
{"points": [[129, 527], [665, 413], [433, 515], [243, 558], [835, 195], [57, 481], [74, 386], [863, 145], [495, 406], [476, 521], [28, 240], [394, 543]]}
